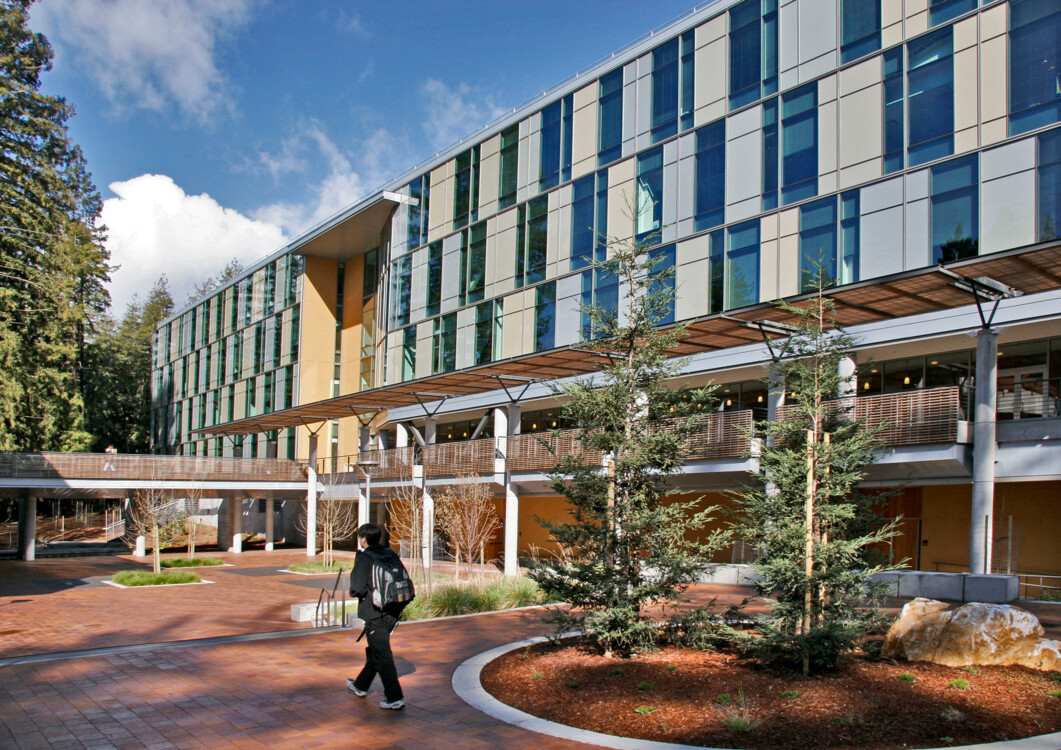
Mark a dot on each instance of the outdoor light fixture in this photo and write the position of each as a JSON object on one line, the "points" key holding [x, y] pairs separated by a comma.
{"points": [[867, 386], [906, 380], [760, 399]]}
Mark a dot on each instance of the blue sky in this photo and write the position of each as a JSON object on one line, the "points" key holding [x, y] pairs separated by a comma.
{"points": [[222, 128]]}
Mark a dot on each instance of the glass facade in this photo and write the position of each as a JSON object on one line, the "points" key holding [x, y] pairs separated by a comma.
{"points": [[532, 225], [1034, 64], [955, 214], [817, 245], [509, 171], [930, 97], [742, 265], [753, 49], [710, 176], [556, 141], [1049, 197], [799, 144], [649, 218], [859, 28], [610, 117], [466, 188]]}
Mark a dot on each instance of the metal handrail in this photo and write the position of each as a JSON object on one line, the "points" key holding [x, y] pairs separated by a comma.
{"points": [[125, 466], [325, 615]]}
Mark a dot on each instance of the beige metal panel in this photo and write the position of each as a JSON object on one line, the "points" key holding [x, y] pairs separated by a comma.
{"points": [[916, 24], [914, 7], [503, 267], [788, 266], [621, 199], [768, 227], [966, 94], [239, 400], [860, 130], [440, 216], [552, 232], [691, 289], [994, 67], [994, 22], [789, 221], [709, 83], [424, 333], [827, 182], [860, 173], [584, 131], [993, 132], [965, 33], [891, 11], [827, 138], [710, 113], [394, 356], [527, 328], [711, 30], [489, 175], [827, 89], [860, 76], [891, 35], [512, 325], [768, 271], [691, 250]]}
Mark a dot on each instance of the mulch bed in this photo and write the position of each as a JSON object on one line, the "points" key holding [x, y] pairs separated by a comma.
{"points": [[863, 705]]}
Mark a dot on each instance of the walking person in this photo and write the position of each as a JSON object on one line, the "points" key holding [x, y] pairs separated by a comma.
{"points": [[382, 585]]}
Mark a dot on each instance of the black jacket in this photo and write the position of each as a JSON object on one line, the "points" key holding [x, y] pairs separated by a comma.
{"points": [[361, 577]]}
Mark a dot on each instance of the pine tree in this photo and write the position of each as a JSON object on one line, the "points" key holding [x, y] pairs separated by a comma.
{"points": [[814, 530], [52, 260], [630, 544]]}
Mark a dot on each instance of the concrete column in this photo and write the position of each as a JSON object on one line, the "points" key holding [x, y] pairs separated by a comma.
{"points": [[401, 436], [511, 530], [236, 511], [364, 499], [775, 399], [981, 528], [428, 531], [27, 528], [311, 499], [364, 438], [848, 384], [269, 512], [500, 444], [430, 430]]}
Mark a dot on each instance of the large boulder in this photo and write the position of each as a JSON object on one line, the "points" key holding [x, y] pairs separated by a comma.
{"points": [[974, 633]]}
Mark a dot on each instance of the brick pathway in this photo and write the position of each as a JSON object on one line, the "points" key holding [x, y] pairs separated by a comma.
{"points": [[278, 692]]}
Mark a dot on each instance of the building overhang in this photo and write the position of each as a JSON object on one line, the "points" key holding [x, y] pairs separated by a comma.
{"points": [[353, 231], [1029, 269]]}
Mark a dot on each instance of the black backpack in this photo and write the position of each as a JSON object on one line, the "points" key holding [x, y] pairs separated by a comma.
{"points": [[389, 584]]}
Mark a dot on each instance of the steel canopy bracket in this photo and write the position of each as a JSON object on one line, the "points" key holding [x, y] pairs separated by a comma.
{"points": [[983, 289]]}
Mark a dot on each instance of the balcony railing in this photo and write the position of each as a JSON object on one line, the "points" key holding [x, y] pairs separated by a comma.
{"points": [[1029, 399], [917, 417], [540, 451], [462, 457], [48, 465]]}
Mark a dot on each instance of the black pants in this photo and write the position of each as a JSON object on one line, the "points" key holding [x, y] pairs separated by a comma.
{"points": [[379, 659]]}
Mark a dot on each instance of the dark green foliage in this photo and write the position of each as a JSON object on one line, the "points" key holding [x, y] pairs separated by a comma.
{"points": [[628, 545], [814, 630], [118, 374], [52, 262]]}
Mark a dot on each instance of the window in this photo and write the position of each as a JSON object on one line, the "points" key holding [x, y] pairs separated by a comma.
{"points": [[770, 154], [556, 143], [954, 210], [665, 70], [589, 220], [509, 167], [710, 176], [894, 105], [409, 353], [859, 28], [401, 291], [419, 208], [716, 271], [649, 219], [663, 280], [799, 144], [930, 86], [466, 188], [434, 278], [600, 291], [752, 51], [444, 344], [685, 109], [1049, 185], [850, 210], [817, 244], [1034, 64], [473, 264], [941, 11], [488, 339], [742, 265], [610, 111], [545, 317], [532, 231]]}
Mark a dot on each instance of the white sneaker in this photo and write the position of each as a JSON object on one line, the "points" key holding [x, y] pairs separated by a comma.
{"points": [[397, 705], [355, 689]]}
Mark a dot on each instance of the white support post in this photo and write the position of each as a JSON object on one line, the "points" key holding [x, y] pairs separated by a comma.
{"points": [[269, 535], [27, 528], [364, 499], [236, 511], [983, 501], [311, 498], [428, 534], [500, 444], [140, 550], [511, 530], [401, 436]]}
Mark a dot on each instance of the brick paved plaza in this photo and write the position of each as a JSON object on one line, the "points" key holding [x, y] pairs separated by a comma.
{"points": [[284, 690]]}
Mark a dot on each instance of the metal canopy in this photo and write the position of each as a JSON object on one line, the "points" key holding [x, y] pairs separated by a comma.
{"points": [[354, 231], [1031, 269]]}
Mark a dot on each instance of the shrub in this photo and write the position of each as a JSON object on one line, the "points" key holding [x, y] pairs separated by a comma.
{"points": [[572, 684], [959, 684], [671, 668], [645, 686], [616, 672], [739, 723], [790, 694], [1055, 693], [907, 677], [193, 562], [316, 566], [483, 596], [147, 578], [646, 710], [537, 675], [970, 669], [723, 699]]}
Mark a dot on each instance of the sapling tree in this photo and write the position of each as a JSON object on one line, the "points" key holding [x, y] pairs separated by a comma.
{"points": [[153, 510], [336, 520], [814, 530], [466, 513], [629, 544]]}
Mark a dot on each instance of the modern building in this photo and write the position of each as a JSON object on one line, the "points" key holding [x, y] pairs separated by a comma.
{"points": [[910, 148]]}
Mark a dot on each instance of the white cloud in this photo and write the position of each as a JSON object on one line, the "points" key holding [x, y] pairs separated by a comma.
{"points": [[154, 227], [454, 114], [343, 183], [148, 54]]}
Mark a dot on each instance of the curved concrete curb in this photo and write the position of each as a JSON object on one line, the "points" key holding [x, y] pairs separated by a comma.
{"points": [[467, 685]]}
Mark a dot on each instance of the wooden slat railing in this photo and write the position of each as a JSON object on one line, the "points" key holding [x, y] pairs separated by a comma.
{"points": [[392, 463], [916, 417], [49, 465], [462, 457]]}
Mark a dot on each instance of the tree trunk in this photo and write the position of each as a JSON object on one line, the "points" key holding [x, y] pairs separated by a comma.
{"points": [[193, 527], [156, 553], [808, 597]]}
